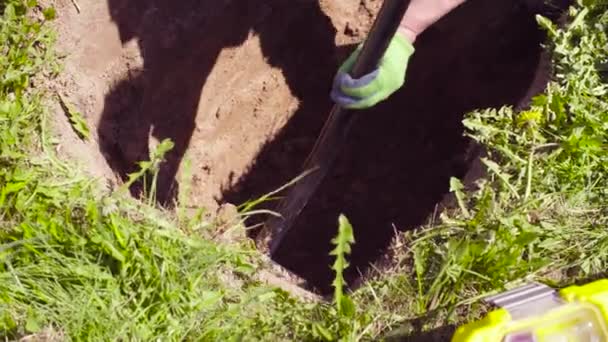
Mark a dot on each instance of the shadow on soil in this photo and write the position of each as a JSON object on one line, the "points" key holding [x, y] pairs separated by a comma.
{"points": [[401, 153], [180, 42]]}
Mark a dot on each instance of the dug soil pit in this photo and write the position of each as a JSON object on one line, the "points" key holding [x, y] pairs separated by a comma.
{"points": [[241, 87]]}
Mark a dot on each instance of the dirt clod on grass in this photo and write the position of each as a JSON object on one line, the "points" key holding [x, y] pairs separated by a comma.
{"points": [[241, 87]]}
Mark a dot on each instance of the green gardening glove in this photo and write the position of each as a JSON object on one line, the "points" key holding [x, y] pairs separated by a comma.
{"points": [[378, 85]]}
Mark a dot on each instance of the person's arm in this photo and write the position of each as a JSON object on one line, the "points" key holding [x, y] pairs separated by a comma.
{"points": [[423, 13], [390, 75]]}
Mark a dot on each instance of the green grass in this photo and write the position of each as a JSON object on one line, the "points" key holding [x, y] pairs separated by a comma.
{"points": [[83, 264], [98, 266], [542, 211]]}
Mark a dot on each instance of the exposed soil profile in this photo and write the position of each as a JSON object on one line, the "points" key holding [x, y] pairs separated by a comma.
{"points": [[241, 87]]}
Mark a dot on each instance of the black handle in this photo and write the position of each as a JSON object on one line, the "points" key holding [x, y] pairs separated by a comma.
{"points": [[384, 28]]}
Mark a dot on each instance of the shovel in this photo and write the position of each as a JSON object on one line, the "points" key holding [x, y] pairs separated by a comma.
{"points": [[334, 133]]}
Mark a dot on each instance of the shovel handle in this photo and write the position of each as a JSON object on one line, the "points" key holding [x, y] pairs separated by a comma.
{"points": [[384, 28], [334, 133]]}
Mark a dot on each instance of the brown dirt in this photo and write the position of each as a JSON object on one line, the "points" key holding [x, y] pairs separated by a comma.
{"points": [[219, 78], [241, 87]]}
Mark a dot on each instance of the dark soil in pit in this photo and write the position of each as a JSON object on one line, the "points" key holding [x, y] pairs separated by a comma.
{"points": [[241, 87], [401, 154]]}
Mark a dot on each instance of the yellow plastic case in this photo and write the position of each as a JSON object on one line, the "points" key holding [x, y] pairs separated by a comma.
{"points": [[583, 317]]}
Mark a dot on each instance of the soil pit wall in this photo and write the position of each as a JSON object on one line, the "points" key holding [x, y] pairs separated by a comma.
{"points": [[241, 87]]}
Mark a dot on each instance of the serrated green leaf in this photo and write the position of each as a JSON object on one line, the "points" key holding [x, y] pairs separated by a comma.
{"points": [[342, 242], [456, 187]]}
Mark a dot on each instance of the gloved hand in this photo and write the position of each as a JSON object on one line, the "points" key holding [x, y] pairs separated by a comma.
{"points": [[377, 86], [390, 74]]}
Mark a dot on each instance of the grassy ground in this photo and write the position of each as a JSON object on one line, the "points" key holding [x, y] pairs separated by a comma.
{"points": [[78, 263]]}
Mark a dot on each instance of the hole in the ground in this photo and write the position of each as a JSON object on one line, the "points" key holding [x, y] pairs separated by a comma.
{"points": [[401, 154]]}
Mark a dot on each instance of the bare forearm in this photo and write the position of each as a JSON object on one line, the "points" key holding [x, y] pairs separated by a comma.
{"points": [[423, 13]]}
